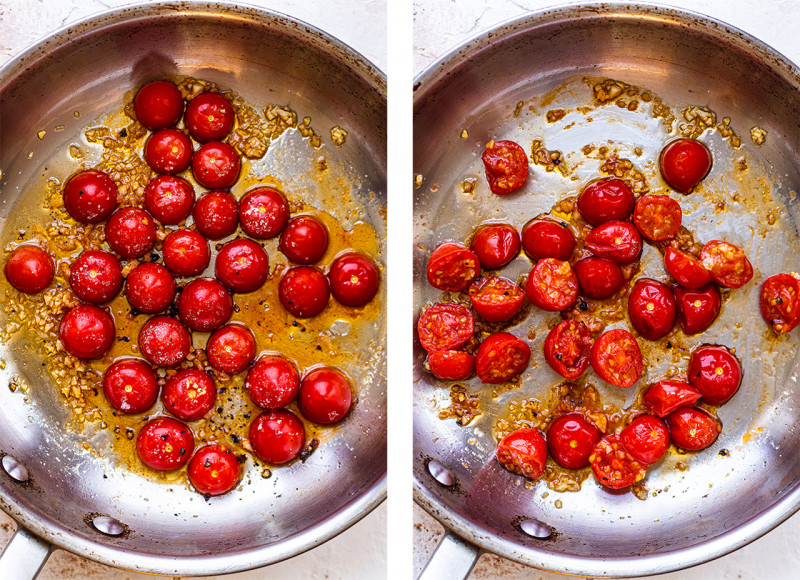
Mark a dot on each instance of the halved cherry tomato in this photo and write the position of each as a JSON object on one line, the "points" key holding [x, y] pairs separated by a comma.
{"points": [[130, 385], [616, 358], [651, 307], [715, 372], [605, 200], [544, 238], [158, 104], [304, 240], [495, 244], [165, 444], [687, 270], [263, 213], [304, 291], [189, 394], [684, 163], [666, 396], [216, 214], [726, 263], [496, 299], [354, 279], [445, 327], [164, 341], [90, 196], [86, 331], [272, 382], [209, 117], [570, 440], [150, 288], [780, 301], [567, 348], [29, 269], [169, 199], [325, 396], [552, 285], [658, 217], [697, 309], [452, 267], [168, 151], [523, 452], [204, 305], [692, 428], [131, 232], [186, 253], [617, 241], [231, 349], [501, 357], [277, 437], [506, 166], [95, 276], [613, 466], [242, 265], [598, 277], [214, 470], [451, 365], [646, 439], [216, 165]]}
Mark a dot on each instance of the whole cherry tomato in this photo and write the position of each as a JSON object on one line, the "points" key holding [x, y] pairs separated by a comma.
{"points": [[168, 151], [231, 349], [164, 341], [567, 348], [614, 467], [242, 265], [204, 305], [552, 285], [186, 253], [29, 269], [495, 244], [501, 357], [277, 437], [272, 382], [304, 240], [169, 199], [353, 279], [214, 470], [687, 270], [90, 196], [646, 439], [150, 288], [715, 372], [95, 276], [445, 327], [451, 365], [452, 267], [666, 396], [130, 386], [165, 444], [216, 165], [506, 166], [209, 117], [263, 213], [131, 232], [325, 396], [684, 163], [697, 309], [544, 238], [304, 291], [86, 331], [726, 263], [189, 394], [496, 299], [598, 277], [570, 440], [158, 104], [692, 429], [780, 301], [523, 452], [605, 200], [616, 358], [617, 241], [216, 215], [658, 217], [651, 307]]}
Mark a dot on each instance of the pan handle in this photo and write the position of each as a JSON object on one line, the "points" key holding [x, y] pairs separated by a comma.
{"points": [[453, 559], [24, 556]]}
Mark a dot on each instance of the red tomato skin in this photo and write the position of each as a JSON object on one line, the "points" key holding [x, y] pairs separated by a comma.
{"points": [[95, 276], [168, 151], [169, 199], [445, 327], [158, 104], [688, 271], [164, 341], [90, 196], [780, 302], [496, 299], [605, 200], [451, 365], [304, 291], [216, 165], [523, 452], [715, 372], [666, 396], [552, 285], [150, 288], [131, 232], [209, 117], [216, 215], [684, 163], [214, 470], [570, 440], [29, 269], [452, 267], [87, 331], [325, 396], [304, 240], [130, 386], [263, 213], [186, 253], [495, 245], [598, 277], [501, 357], [204, 305], [697, 309], [567, 348], [272, 382], [617, 343], [242, 265], [613, 466], [277, 437], [617, 241], [726, 263], [353, 279], [651, 307], [544, 238], [646, 439], [506, 166], [231, 349], [658, 217], [165, 444], [692, 428], [189, 394]]}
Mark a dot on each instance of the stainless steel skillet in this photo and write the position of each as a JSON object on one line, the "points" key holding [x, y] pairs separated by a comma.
{"points": [[686, 59]]}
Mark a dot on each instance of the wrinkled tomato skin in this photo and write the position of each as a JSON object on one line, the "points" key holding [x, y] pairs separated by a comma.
{"points": [[90, 196], [216, 165], [131, 232], [214, 470], [658, 217], [687, 270], [451, 365], [242, 265], [29, 269], [651, 307], [616, 358], [150, 288], [605, 200], [551, 285], [86, 331], [209, 117], [780, 302], [158, 105], [231, 349], [452, 267], [186, 253], [304, 291], [189, 394], [165, 444], [715, 372], [168, 151], [354, 279], [169, 199], [263, 213], [445, 327], [506, 166], [570, 440], [325, 396], [684, 163], [204, 305], [130, 386], [598, 277], [523, 452], [304, 240], [164, 342], [216, 215], [544, 238], [646, 439], [697, 309], [501, 357], [726, 263], [495, 245], [692, 428], [277, 437], [666, 396], [617, 241], [496, 299], [272, 382], [567, 348], [95, 276], [613, 466]]}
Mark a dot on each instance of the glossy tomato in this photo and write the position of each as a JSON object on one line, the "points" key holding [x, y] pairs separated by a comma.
{"points": [[658, 217], [95, 276], [726, 263], [613, 466], [684, 163], [164, 341], [506, 166], [209, 117], [150, 288], [451, 365], [325, 396], [523, 452], [544, 238], [687, 270], [272, 382], [216, 215], [131, 232], [452, 267], [216, 165], [697, 309], [445, 327], [304, 291], [189, 394], [90, 196], [496, 299], [263, 213], [567, 348], [692, 428], [495, 244], [205, 305], [666, 396], [354, 279], [598, 277], [168, 151], [501, 357], [158, 104], [29, 269], [646, 439], [570, 440], [231, 349], [130, 386], [242, 265], [86, 331], [780, 301], [277, 437], [186, 253], [715, 372], [616, 358], [651, 307], [552, 285], [169, 199], [617, 241], [605, 200], [214, 470], [304, 240], [165, 444]]}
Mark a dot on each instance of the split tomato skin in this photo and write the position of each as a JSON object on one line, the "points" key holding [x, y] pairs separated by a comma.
{"points": [[599, 278], [697, 309], [445, 326], [687, 270], [523, 452], [570, 440], [496, 299], [715, 372], [646, 439], [568, 347], [684, 163], [666, 396], [451, 365], [501, 357], [617, 359], [780, 302], [214, 470], [652, 309], [452, 267], [605, 200], [613, 466], [552, 285], [692, 428], [495, 245], [506, 166], [165, 444], [544, 238], [29, 269], [617, 241]]}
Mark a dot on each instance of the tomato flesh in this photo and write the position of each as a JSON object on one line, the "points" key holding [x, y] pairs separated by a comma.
{"points": [[552, 285], [452, 267], [567, 348], [726, 263], [506, 166], [666, 396], [496, 299], [658, 217], [445, 327], [616, 358], [523, 452], [451, 365], [613, 466], [501, 357], [780, 302]]}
